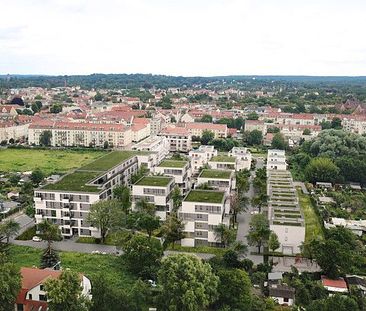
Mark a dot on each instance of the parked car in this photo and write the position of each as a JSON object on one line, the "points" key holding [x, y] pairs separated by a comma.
{"points": [[36, 239]]}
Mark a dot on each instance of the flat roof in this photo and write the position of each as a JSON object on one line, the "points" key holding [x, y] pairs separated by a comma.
{"points": [[75, 181], [108, 161], [223, 158], [205, 196], [173, 163], [219, 174], [157, 181]]}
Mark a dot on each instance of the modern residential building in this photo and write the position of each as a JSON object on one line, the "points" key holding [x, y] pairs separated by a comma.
{"points": [[222, 162], [81, 134], [284, 213], [251, 125], [155, 190], [276, 160], [159, 145], [67, 201], [243, 157], [199, 157], [179, 138], [202, 211], [196, 129], [32, 295], [217, 179], [179, 169]]}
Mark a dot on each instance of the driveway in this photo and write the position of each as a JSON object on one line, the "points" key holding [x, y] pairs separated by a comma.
{"points": [[245, 217]]}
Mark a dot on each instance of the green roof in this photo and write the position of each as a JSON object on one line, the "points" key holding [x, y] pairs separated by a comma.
{"points": [[108, 161], [75, 182], [219, 174], [173, 163], [222, 158], [205, 196], [157, 181]]}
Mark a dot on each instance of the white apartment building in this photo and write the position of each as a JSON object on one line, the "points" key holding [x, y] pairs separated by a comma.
{"points": [[155, 190], [355, 124], [180, 140], [180, 170], [201, 212], [243, 158], [11, 130], [199, 157], [217, 179], [276, 160], [67, 201], [81, 134], [157, 144]]}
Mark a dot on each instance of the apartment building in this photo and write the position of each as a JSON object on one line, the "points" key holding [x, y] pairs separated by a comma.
{"points": [[158, 145], [199, 157], [284, 213], [179, 169], [196, 129], [81, 134], [243, 157], [13, 130], [180, 140], [276, 160], [155, 190], [67, 201], [217, 179], [355, 124], [251, 125], [202, 211]]}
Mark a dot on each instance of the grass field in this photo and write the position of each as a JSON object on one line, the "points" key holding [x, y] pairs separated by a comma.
{"points": [[91, 265], [49, 161], [313, 227]]}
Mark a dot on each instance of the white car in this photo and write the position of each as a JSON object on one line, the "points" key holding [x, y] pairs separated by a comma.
{"points": [[36, 239]]}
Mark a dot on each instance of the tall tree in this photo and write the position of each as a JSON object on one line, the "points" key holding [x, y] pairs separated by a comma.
{"points": [[273, 242], [321, 169], [144, 206], [172, 230], [148, 222], [207, 136], [224, 234], [65, 293], [50, 233], [104, 215], [37, 176], [45, 138], [259, 232], [9, 229], [177, 198], [123, 195], [10, 284], [278, 142], [238, 204], [254, 137], [187, 284]]}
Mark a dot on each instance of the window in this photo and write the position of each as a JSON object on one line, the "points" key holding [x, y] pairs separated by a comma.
{"points": [[20, 307], [41, 287], [30, 297], [285, 299], [42, 297]]}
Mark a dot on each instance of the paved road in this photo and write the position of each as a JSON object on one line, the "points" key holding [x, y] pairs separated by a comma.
{"points": [[244, 218]]}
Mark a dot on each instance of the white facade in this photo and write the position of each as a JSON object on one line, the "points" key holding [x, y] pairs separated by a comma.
{"points": [[11, 130], [180, 140], [160, 196], [243, 158], [219, 183], [201, 156], [156, 144], [276, 160]]}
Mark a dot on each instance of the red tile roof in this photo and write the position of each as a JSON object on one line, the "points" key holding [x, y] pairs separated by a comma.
{"points": [[206, 126], [339, 283]]}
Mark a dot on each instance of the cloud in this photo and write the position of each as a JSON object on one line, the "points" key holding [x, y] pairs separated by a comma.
{"points": [[191, 37]]}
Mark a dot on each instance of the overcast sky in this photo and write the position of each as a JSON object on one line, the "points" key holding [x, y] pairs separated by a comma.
{"points": [[183, 37]]}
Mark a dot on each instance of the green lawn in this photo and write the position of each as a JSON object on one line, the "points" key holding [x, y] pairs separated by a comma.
{"points": [[221, 174], [49, 161], [223, 158], [75, 182], [157, 181], [313, 227], [91, 265], [173, 163], [109, 161], [205, 196], [198, 249]]}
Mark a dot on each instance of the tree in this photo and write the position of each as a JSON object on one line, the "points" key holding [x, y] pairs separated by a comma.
{"points": [[177, 198], [37, 176], [144, 206], [321, 169], [278, 142], [259, 232], [206, 118], [45, 138], [187, 284], [207, 136], [224, 234], [238, 204], [260, 200], [65, 293], [10, 284], [148, 222], [9, 229], [254, 137], [142, 255], [50, 233], [104, 215], [234, 291], [172, 230], [106, 145], [336, 124], [252, 116], [306, 132], [273, 242], [36, 106], [122, 194], [56, 108], [98, 97], [336, 302]]}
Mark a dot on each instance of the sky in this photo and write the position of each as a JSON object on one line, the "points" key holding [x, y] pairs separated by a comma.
{"points": [[183, 37]]}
